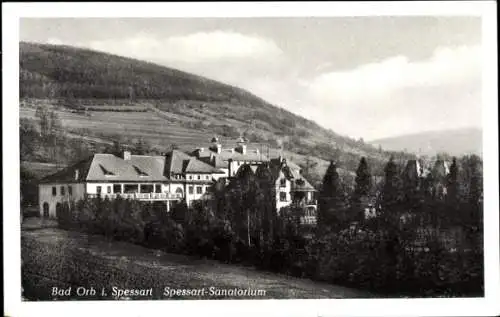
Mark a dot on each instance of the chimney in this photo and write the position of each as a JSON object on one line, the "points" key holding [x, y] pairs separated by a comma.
{"points": [[242, 147], [126, 155], [216, 146], [198, 152]]}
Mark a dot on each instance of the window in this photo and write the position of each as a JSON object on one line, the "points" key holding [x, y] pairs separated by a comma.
{"points": [[158, 188], [63, 191], [54, 191], [282, 196], [109, 189], [99, 189], [190, 177], [199, 190], [207, 177], [283, 182], [131, 188], [146, 188], [70, 190], [117, 188], [199, 177], [191, 189], [178, 191]]}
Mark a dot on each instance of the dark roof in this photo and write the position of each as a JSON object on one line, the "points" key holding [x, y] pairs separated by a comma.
{"points": [[67, 175], [301, 184], [178, 162], [196, 166], [175, 162], [292, 172], [232, 153]]}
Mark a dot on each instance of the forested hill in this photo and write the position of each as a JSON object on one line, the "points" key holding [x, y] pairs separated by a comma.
{"points": [[66, 71], [76, 75]]}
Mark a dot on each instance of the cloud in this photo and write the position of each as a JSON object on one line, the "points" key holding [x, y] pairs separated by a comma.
{"points": [[193, 48], [397, 96], [378, 80]]}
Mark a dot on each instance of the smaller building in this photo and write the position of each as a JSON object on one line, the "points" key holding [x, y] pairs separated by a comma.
{"points": [[230, 159], [292, 188]]}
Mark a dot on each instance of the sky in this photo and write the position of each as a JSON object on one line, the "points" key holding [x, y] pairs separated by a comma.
{"points": [[365, 77]]}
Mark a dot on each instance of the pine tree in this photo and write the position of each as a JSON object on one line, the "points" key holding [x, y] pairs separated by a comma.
{"points": [[331, 202], [362, 188], [452, 183], [363, 179], [390, 191], [475, 190]]}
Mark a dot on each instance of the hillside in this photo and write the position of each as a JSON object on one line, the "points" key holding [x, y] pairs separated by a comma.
{"points": [[167, 107], [454, 142]]}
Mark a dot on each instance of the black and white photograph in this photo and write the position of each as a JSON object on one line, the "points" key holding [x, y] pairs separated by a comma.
{"points": [[251, 158]]}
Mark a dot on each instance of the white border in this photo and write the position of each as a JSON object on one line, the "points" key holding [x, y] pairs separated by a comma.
{"points": [[11, 12]]}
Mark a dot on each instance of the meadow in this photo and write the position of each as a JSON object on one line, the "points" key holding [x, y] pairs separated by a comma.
{"points": [[54, 257]]}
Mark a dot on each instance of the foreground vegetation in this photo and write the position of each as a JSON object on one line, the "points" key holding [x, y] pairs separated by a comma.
{"points": [[60, 258], [382, 254]]}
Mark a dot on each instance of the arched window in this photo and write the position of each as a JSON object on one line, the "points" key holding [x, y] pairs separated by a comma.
{"points": [[179, 192], [45, 209]]}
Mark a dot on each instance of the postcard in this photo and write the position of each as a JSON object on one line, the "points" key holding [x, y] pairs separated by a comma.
{"points": [[286, 159]]}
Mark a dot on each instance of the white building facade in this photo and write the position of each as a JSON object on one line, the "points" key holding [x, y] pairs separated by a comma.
{"points": [[171, 178]]}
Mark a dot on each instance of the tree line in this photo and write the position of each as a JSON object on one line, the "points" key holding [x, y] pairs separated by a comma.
{"points": [[400, 250]]}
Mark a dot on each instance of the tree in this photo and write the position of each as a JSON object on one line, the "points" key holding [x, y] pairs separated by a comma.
{"points": [[390, 191], [55, 124], [475, 190], [42, 115], [141, 147], [115, 148], [28, 187], [452, 183], [309, 165], [363, 179], [266, 202], [28, 137], [362, 188], [242, 202], [332, 198]]}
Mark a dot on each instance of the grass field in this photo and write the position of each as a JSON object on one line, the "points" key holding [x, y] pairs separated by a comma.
{"points": [[54, 257], [41, 169], [148, 125]]}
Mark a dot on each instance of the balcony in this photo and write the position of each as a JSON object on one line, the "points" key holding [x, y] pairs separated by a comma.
{"points": [[308, 220], [139, 196], [311, 202]]}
